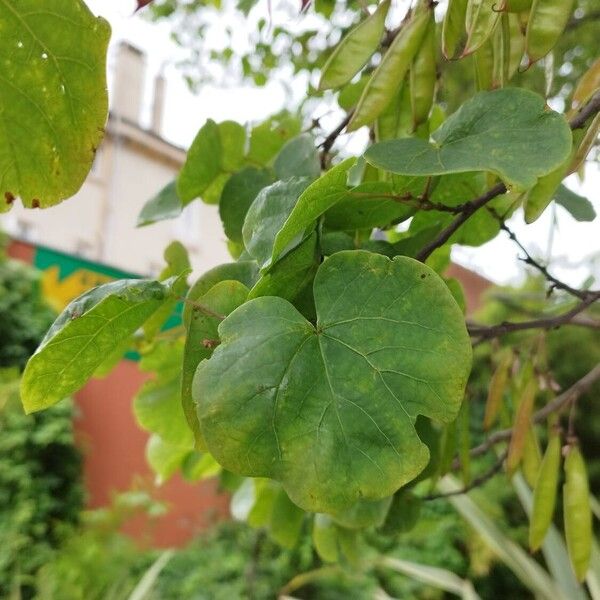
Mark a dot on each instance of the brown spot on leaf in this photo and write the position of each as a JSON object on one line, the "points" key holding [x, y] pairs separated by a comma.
{"points": [[10, 197], [35, 203]]}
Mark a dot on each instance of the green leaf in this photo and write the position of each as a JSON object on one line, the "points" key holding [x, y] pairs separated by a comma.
{"points": [[233, 141], [324, 536], [266, 217], [361, 207], [403, 513], [364, 513], [286, 521], [202, 337], [329, 410], [288, 276], [202, 165], [164, 458], [312, 203], [199, 465], [267, 138], [84, 334], [157, 406], [244, 271], [540, 195], [509, 132], [298, 158], [580, 208], [238, 194], [165, 205], [53, 101]]}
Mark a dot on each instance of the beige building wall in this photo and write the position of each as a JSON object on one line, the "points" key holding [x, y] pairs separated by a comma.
{"points": [[131, 166]]}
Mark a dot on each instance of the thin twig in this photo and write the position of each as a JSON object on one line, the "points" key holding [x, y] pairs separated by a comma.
{"points": [[586, 111], [556, 405], [329, 141], [468, 209], [475, 483], [529, 260], [485, 332], [203, 309]]}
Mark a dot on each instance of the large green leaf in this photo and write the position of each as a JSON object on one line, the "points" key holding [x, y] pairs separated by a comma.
{"points": [[314, 201], [53, 101], [267, 138], [509, 132], [267, 215], [329, 410], [84, 334], [238, 194], [202, 337], [202, 165]]}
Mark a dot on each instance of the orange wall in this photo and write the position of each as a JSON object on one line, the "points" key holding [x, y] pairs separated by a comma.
{"points": [[114, 449]]}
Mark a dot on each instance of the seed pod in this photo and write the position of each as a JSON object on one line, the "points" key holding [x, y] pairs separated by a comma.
{"points": [[520, 426], [501, 44], [577, 513], [481, 20], [386, 79], [587, 86], [516, 45], [355, 50], [453, 28], [517, 6], [547, 21], [532, 458], [396, 120], [483, 63], [423, 76], [496, 389], [584, 144], [544, 493]]}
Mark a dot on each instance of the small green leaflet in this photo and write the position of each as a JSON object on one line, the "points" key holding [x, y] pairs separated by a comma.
{"points": [[244, 271], [298, 158], [580, 208], [509, 132], [84, 334], [53, 100], [157, 406], [165, 205], [202, 164], [312, 203], [238, 194], [329, 410], [267, 215]]}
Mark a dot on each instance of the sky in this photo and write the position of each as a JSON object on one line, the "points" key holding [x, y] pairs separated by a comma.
{"points": [[567, 247]]}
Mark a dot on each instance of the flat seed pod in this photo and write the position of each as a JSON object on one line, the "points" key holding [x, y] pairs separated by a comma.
{"points": [[355, 50], [577, 513]]}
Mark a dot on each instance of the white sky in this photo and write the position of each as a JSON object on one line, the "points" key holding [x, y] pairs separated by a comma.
{"points": [[185, 113]]}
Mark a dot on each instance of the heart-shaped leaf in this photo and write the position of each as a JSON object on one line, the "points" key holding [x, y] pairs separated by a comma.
{"points": [[509, 132], [329, 410], [53, 103]]}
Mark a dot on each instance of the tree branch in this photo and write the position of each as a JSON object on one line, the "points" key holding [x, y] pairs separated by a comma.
{"points": [[468, 209], [556, 405], [484, 332], [529, 260], [329, 141], [476, 481], [586, 111]]}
